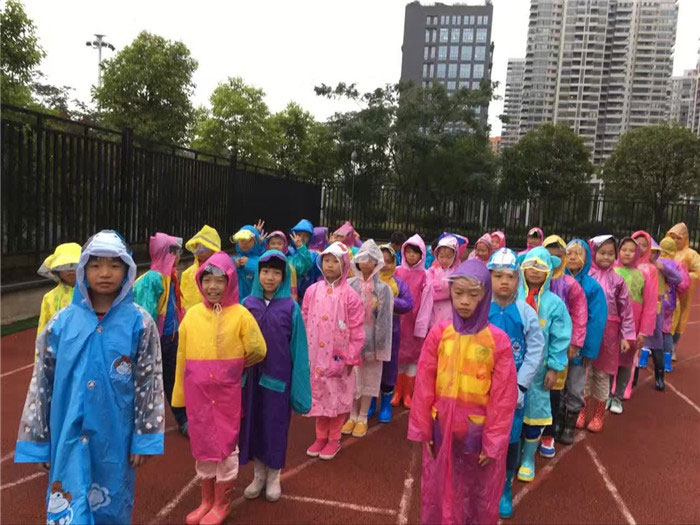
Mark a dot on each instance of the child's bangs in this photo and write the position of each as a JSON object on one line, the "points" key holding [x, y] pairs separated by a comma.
{"points": [[471, 282]]}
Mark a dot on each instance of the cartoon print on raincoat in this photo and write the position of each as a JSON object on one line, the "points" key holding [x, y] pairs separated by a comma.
{"points": [[205, 239]]}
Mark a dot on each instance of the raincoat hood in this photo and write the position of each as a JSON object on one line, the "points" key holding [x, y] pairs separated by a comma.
{"points": [[162, 259], [681, 230], [368, 250], [64, 258], [503, 259], [417, 241], [340, 252], [555, 239], [485, 239], [248, 232], [207, 237], [448, 241], [498, 240], [388, 269], [479, 320], [595, 244], [668, 248], [304, 226], [538, 231], [106, 243], [348, 231], [285, 287], [223, 262], [586, 268], [643, 256], [280, 234], [539, 255], [319, 239], [637, 253]]}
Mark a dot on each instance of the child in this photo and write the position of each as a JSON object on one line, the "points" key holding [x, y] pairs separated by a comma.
{"points": [[498, 240], [218, 337], [59, 267], [333, 315], [248, 249], [668, 257], [94, 410], [299, 263], [465, 396], [569, 291], [519, 321], [535, 238], [158, 292], [438, 274], [643, 294], [619, 331], [578, 264], [319, 240], [378, 302], [414, 325], [396, 241], [203, 245], [482, 249], [278, 385], [347, 235]]}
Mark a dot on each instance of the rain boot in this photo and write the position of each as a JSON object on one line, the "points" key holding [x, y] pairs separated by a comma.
{"points": [[372, 408], [505, 506], [409, 383], [583, 414], [567, 432], [658, 356], [194, 517], [398, 390], [643, 358], [635, 380], [527, 466], [668, 366], [254, 490], [273, 489], [596, 424], [223, 501], [385, 410]]}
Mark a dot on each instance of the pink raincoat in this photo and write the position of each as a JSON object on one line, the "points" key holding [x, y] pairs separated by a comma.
{"points": [[415, 324], [620, 323], [536, 243], [437, 275], [352, 240], [498, 240], [334, 318], [485, 239]]}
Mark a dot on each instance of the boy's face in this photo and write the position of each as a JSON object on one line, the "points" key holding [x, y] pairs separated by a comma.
{"points": [[68, 277], [246, 245], [482, 252], [504, 284], [270, 279], [627, 252], [396, 246], [533, 240], [466, 296], [574, 259], [412, 256], [305, 237], [642, 243], [275, 243], [105, 275], [388, 258], [677, 238], [331, 267], [605, 256], [214, 287], [535, 278], [367, 266], [445, 257]]}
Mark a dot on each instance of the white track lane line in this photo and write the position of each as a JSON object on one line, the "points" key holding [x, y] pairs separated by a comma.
{"points": [[341, 504], [23, 480], [16, 370], [405, 505], [683, 397], [611, 487]]}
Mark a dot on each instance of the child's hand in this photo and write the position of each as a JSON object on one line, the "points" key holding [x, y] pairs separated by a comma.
{"points": [[260, 225], [241, 261], [429, 448], [624, 346], [297, 240], [573, 351], [550, 379], [136, 460], [484, 459], [44, 467], [640, 340]]}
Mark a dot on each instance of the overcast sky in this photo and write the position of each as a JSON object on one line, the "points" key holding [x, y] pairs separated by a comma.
{"points": [[284, 47]]}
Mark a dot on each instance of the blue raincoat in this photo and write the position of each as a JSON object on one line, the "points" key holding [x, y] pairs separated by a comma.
{"points": [[95, 397], [314, 273], [246, 273], [556, 325], [597, 307]]}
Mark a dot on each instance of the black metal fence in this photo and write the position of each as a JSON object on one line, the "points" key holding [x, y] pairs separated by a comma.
{"points": [[63, 180]]}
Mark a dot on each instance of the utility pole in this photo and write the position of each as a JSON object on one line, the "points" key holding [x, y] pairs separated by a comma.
{"points": [[98, 44]]}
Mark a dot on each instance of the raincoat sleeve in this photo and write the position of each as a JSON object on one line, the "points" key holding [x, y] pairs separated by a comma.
{"points": [[254, 346], [178, 399], [578, 310], [559, 323], [624, 307], [46, 312], [301, 261], [420, 420], [34, 438], [597, 317], [650, 299], [188, 287], [403, 303], [671, 273], [147, 291], [503, 396], [301, 382], [694, 266], [355, 319], [149, 409], [425, 312], [534, 339], [384, 323]]}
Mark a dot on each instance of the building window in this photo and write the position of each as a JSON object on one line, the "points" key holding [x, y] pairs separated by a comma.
{"points": [[464, 85], [427, 35], [466, 52], [486, 20], [451, 85], [452, 71], [431, 71], [441, 70], [465, 70], [435, 20], [477, 110], [478, 71], [475, 84], [468, 35], [442, 53], [442, 20], [426, 52], [471, 20], [425, 70], [434, 36], [454, 20], [428, 20], [480, 53], [454, 53], [432, 51], [481, 35], [479, 20], [425, 84], [444, 34], [455, 35]]}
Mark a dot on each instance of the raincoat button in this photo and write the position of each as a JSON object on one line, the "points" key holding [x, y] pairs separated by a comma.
{"points": [[322, 344], [330, 291], [84, 440], [318, 371], [100, 329], [325, 318], [91, 384]]}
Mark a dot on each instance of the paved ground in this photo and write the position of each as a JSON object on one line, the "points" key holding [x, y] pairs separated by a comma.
{"points": [[643, 468]]}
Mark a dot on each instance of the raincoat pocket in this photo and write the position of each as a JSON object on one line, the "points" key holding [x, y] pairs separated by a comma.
{"points": [[472, 440], [271, 383], [336, 367], [437, 433]]}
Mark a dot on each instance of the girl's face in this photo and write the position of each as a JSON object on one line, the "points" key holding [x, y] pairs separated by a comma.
{"points": [[270, 279], [445, 257], [574, 259], [504, 284], [627, 252], [105, 275], [246, 245], [533, 241], [482, 252], [413, 256], [68, 277], [388, 259], [367, 266], [214, 287], [534, 278], [330, 267], [275, 243], [605, 256], [643, 243], [466, 296], [654, 255], [305, 237]]}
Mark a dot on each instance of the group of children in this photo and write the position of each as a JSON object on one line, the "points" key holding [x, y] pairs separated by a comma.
{"points": [[497, 354]]}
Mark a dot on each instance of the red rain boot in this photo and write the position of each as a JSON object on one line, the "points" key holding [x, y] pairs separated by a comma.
{"points": [[223, 500], [596, 424], [194, 517], [398, 390], [583, 414], [408, 391]]}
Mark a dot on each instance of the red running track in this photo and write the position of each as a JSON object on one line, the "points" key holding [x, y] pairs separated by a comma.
{"points": [[643, 467]]}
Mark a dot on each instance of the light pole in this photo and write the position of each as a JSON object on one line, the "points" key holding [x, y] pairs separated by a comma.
{"points": [[98, 44], [353, 163]]}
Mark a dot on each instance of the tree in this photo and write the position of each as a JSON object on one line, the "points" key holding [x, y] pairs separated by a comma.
{"points": [[549, 162], [655, 164], [20, 54], [147, 86]]}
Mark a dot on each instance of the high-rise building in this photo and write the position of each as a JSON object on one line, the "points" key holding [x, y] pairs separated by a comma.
{"points": [[601, 67], [513, 99], [682, 100], [450, 44]]}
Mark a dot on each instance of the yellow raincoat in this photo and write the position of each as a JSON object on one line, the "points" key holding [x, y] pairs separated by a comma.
{"points": [[691, 260], [209, 238], [65, 257]]}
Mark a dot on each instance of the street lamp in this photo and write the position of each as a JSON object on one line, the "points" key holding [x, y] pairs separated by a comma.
{"points": [[98, 44], [353, 163]]}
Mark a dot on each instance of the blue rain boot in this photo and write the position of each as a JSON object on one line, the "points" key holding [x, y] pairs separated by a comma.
{"points": [[372, 408], [527, 467], [505, 506], [386, 408], [644, 357], [668, 357]]}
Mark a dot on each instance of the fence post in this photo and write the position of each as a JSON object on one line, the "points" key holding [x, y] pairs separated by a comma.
{"points": [[127, 173]]}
